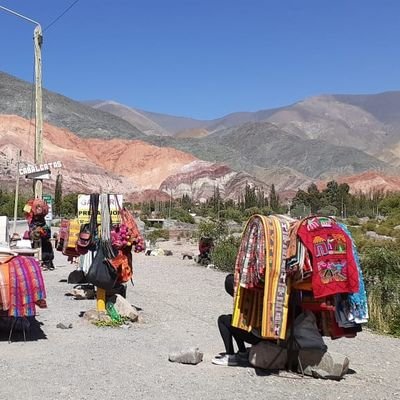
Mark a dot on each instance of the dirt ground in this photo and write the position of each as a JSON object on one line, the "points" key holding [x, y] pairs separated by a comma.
{"points": [[180, 302]]}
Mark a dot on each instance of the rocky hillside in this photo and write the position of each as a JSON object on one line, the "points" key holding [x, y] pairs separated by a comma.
{"points": [[134, 117], [322, 137], [338, 134], [16, 99], [132, 167], [200, 178]]}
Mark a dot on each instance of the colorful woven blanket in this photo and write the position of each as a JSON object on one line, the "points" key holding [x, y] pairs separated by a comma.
{"points": [[261, 293], [26, 287]]}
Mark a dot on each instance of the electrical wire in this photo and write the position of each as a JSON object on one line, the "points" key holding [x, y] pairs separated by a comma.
{"points": [[60, 16]]}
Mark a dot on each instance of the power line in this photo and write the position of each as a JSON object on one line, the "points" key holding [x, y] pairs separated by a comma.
{"points": [[60, 16]]}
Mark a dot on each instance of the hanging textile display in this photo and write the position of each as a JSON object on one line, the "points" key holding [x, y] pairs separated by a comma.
{"points": [[261, 296], [316, 259]]}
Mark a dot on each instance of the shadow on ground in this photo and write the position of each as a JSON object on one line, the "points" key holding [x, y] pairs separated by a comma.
{"points": [[21, 329]]}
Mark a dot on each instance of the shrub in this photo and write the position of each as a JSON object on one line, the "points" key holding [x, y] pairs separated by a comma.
{"points": [[157, 234], [224, 254], [381, 266], [384, 230], [369, 226], [214, 229], [182, 216], [352, 221]]}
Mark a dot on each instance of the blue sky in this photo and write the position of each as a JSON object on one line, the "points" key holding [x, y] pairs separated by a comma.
{"points": [[206, 58]]}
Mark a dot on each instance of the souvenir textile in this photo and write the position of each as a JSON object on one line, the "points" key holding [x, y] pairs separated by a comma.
{"points": [[26, 287], [262, 260], [333, 264]]}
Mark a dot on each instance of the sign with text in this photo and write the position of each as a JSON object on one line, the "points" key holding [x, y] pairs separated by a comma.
{"points": [[30, 169], [49, 200], [84, 207]]}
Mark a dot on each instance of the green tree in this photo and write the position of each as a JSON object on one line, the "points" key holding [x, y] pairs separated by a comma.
{"points": [[390, 204], [250, 197], [69, 205], [313, 198], [58, 195], [273, 199]]}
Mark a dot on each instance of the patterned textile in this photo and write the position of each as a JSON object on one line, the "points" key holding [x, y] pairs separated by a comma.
{"points": [[250, 262], [262, 259], [333, 264], [26, 287], [293, 241], [358, 304], [4, 287]]}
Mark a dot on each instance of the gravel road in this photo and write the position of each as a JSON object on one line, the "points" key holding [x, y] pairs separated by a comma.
{"points": [[180, 303]]}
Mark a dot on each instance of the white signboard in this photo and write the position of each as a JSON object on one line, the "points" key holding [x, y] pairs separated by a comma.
{"points": [[30, 169], [84, 206]]}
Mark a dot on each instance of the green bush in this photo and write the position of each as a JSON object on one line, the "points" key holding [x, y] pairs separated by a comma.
{"points": [[214, 229], [384, 230], [251, 211], [182, 215], [352, 221], [232, 214], [369, 226], [224, 254], [157, 234], [381, 267]]}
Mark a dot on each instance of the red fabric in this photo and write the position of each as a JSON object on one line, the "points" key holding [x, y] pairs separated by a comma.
{"points": [[333, 264]]}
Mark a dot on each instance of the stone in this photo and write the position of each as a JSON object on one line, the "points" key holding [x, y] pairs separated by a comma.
{"points": [[187, 254], [83, 293], [64, 325], [376, 236], [325, 365], [268, 355], [93, 315], [168, 253], [191, 356], [124, 308]]}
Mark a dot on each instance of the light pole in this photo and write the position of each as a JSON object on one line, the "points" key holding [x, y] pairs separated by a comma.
{"points": [[38, 40]]}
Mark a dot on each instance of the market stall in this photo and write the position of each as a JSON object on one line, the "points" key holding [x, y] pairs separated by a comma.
{"points": [[101, 241], [287, 270]]}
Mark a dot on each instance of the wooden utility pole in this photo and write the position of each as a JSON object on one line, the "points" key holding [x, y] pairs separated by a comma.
{"points": [[16, 193], [38, 40]]}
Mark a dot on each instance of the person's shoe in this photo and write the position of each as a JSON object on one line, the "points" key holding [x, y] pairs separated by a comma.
{"points": [[229, 360]]}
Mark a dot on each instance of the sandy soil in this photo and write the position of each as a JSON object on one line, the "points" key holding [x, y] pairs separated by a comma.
{"points": [[180, 302]]}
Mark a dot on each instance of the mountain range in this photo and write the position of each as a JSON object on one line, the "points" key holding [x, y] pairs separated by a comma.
{"points": [[319, 138]]}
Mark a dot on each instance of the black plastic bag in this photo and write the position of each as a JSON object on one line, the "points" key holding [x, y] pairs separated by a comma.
{"points": [[101, 273]]}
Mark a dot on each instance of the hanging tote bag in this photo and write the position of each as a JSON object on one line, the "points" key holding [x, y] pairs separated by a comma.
{"points": [[88, 232], [71, 238], [102, 273]]}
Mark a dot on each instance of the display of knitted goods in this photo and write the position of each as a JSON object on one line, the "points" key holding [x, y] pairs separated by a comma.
{"points": [[262, 259], [22, 286], [333, 263]]}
